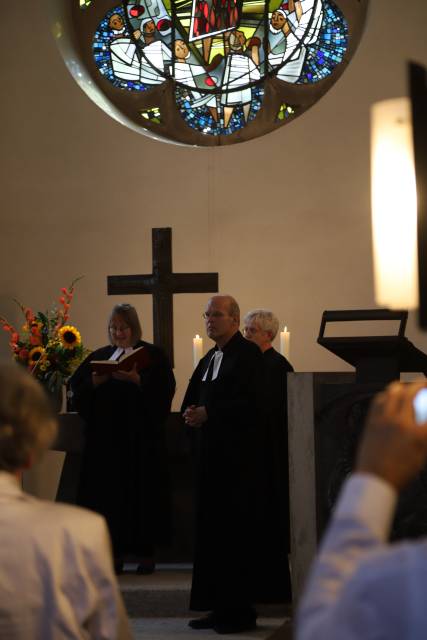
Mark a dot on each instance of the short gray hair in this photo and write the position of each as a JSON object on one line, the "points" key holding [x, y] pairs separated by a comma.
{"points": [[265, 319], [27, 422]]}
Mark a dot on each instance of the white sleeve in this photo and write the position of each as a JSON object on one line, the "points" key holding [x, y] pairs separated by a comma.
{"points": [[125, 51], [166, 52], [253, 71], [359, 528], [109, 619]]}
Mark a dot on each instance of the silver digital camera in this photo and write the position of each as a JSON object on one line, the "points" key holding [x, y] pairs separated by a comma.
{"points": [[420, 406]]}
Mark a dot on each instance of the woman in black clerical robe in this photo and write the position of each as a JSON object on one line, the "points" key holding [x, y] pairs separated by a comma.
{"points": [[124, 469]]}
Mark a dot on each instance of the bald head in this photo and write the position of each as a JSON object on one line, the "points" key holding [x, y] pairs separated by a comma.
{"points": [[222, 318], [230, 303]]}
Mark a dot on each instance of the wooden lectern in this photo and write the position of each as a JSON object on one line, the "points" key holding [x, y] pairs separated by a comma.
{"points": [[326, 412]]}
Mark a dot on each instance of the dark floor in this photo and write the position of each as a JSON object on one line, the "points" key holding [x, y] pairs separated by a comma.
{"points": [[178, 629], [157, 605]]}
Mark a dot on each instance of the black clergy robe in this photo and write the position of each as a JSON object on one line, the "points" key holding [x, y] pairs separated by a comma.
{"points": [[273, 488], [226, 522], [124, 470]]}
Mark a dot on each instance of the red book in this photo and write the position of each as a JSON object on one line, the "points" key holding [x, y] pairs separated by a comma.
{"points": [[138, 356]]}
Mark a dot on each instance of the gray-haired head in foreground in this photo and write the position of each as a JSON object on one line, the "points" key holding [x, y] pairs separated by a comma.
{"points": [[265, 319], [27, 422]]}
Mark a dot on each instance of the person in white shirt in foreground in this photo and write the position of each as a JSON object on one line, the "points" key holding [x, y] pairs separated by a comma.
{"points": [[361, 587], [56, 572]]}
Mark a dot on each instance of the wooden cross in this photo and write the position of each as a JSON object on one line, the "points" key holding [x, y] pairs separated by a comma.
{"points": [[162, 284]]}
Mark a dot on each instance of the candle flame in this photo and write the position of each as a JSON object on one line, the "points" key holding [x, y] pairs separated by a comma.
{"points": [[197, 336], [285, 329]]}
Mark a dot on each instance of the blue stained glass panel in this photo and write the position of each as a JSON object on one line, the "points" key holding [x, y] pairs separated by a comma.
{"points": [[201, 119], [329, 50]]}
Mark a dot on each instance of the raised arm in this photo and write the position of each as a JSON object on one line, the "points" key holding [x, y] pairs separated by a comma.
{"points": [[356, 578]]}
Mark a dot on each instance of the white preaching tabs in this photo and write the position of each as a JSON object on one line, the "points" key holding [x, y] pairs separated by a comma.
{"points": [[120, 352], [217, 358]]}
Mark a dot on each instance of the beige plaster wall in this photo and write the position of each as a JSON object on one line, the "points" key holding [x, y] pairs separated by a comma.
{"points": [[284, 219]]}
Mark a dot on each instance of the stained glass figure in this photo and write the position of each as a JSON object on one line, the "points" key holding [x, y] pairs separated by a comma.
{"points": [[290, 33], [220, 59], [112, 50]]}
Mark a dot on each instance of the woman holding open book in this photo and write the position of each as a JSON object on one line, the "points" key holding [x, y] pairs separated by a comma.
{"points": [[123, 392]]}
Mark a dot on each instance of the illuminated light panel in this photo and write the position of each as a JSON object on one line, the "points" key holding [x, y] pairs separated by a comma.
{"points": [[394, 205]]}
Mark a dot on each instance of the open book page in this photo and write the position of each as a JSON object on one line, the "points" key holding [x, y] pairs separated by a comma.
{"points": [[138, 356]]}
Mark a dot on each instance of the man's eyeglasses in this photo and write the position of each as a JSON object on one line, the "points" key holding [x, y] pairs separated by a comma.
{"points": [[214, 314]]}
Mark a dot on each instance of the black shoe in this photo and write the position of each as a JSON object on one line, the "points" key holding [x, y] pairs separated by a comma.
{"points": [[236, 621], [146, 567], [235, 626], [207, 622]]}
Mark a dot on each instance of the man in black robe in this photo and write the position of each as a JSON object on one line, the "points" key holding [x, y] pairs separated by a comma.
{"points": [[272, 569], [223, 408]]}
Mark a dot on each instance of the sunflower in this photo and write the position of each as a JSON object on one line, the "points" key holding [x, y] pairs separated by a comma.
{"points": [[69, 336], [35, 355]]}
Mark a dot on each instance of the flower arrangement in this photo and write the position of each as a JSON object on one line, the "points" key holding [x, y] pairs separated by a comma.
{"points": [[47, 345]]}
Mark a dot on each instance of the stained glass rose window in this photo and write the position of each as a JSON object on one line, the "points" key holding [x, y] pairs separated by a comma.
{"points": [[207, 72]]}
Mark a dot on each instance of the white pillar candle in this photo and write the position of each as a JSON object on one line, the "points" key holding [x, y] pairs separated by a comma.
{"points": [[285, 338], [197, 350]]}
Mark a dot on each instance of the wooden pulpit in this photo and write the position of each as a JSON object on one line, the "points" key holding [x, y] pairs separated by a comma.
{"points": [[326, 413]]}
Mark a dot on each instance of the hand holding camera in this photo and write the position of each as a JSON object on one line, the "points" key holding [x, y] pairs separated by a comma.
{"points": [[394, 444]]}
